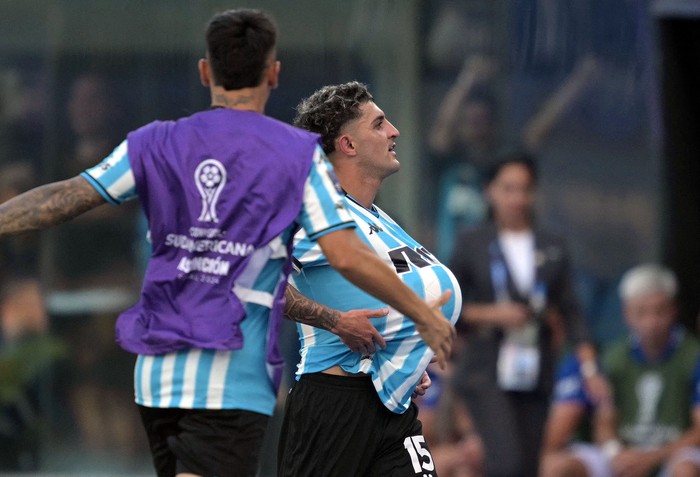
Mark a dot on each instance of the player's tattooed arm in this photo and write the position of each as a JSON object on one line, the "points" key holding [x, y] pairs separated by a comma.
{"points": [[303, 310], [352, 327], [48, 205]]}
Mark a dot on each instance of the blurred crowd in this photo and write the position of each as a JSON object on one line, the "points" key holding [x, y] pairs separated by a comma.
{"points": [[542, 199]]}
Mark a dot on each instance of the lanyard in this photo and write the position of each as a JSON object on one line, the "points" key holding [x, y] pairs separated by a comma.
{"points": [[537, 298]]}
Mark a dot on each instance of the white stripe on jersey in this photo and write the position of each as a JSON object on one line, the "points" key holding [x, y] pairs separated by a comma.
{"points": [[166, 375], [217, 380], [147, 364], [189, 379], [248, 295]]}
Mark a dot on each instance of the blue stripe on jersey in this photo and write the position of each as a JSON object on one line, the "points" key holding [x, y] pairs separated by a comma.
{"points": [[117, 168], [156, 373], [321, 233], [177, 380], [138, 376]]}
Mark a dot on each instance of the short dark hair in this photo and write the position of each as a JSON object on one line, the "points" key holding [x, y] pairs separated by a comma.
{"points": [[327, 110], [512, 157], [239, 43]]}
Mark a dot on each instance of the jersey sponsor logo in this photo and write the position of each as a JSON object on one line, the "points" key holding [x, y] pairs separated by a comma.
{"points": [[375, 228], [210, 178], [404, 257]]}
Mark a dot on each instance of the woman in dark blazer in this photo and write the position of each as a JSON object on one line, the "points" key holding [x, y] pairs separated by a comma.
{"points": [[519, 302]]}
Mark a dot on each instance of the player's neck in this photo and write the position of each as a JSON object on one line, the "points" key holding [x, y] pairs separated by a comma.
{"points": [[245, 99], [363, 191]]}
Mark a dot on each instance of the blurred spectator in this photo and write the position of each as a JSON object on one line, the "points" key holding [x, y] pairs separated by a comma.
{"points": [[26, 352], [93, 277], [97, 249], [448, 428], [457, 29], [519, 304], [22, 113], [465, 140], [653, 420], [19, 254], [569, 416]]}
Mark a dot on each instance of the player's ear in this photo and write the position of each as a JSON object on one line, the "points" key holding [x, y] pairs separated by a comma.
{"points": [[345, 145], [204, 73], [273, 74]]}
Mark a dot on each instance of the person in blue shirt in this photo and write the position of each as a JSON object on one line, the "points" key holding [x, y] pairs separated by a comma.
{"points": [[651, 426]]}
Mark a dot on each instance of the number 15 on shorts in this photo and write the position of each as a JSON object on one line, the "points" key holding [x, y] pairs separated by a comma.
{"points": [[421, 459]]}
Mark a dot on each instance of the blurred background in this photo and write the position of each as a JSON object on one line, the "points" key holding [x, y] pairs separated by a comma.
{"points": [[603, 93]]}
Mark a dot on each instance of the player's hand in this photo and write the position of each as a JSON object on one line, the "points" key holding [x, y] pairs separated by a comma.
{"points": [[357, 333], [423, 385], [438, 333]]}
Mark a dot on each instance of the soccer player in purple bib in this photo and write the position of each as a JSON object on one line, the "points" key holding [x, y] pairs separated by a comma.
{"points": [[224, 190]]}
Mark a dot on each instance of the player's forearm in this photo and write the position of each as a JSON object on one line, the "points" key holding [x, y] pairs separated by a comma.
{"points": [[366, 270], [47, 206], [302, 310], [605, 423]]}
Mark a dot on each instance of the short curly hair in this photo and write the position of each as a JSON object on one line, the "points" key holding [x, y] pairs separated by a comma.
{"points": [[327, 110]]}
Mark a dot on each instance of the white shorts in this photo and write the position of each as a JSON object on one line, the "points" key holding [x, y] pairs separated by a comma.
{"points": [[597, 464]]}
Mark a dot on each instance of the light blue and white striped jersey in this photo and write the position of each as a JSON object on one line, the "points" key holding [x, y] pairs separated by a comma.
{"points": [[211, 379], [396, 370]]}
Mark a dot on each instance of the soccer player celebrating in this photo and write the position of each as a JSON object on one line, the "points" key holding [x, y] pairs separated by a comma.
{"points": [[350, 413]]}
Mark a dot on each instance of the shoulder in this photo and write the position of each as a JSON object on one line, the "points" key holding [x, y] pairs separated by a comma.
{"points": [[690, 349]]}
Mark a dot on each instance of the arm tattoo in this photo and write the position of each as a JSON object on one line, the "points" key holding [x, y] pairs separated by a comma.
{"points": [[48, 205], [303, 310]]}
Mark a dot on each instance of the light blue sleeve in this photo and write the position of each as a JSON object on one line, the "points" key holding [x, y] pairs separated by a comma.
{"points": [[113, 177], [324, 208]]}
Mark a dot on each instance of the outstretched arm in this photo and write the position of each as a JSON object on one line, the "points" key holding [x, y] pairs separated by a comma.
{"points": [[48, 205], [475, 71], [352, 327], [538, 128]]}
